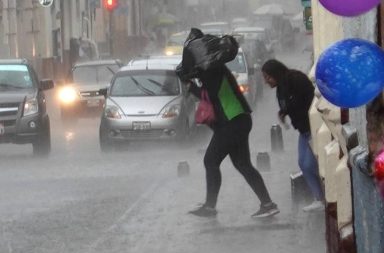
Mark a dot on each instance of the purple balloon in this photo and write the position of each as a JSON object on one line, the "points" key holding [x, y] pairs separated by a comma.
{"points": [[349, 8]]}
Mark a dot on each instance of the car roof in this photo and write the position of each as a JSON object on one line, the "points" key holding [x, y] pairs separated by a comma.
{"points": [[213, 31], [98, 62], [214, 23], [180, 34], [14, 61], [160, 62], [249, 29]]}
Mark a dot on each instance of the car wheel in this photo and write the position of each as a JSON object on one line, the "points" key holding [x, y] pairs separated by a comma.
{"points": [[106, 144], [42, 146]]}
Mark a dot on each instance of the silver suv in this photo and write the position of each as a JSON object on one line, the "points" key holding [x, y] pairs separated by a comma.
{"points": [[23, 114]]}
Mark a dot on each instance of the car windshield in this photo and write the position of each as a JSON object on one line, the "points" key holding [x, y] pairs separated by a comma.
{"points": [[15, 76], [85, 75], [238, 64], [142, 84]]}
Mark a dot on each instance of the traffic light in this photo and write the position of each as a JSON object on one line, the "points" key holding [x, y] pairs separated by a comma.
{"points": [[110, 5]]}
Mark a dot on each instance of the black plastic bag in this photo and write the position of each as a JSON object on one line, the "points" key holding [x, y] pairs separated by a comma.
{"points": [[203, 52], [210, 51]]}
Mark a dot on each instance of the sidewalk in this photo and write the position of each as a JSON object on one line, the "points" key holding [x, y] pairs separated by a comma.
{"points": [[159, 221]]}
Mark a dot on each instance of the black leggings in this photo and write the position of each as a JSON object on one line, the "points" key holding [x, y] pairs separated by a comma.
{"points": [[232, 139]]}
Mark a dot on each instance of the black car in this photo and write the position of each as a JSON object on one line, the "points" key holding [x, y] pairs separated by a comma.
{"points": [[23, 114]]}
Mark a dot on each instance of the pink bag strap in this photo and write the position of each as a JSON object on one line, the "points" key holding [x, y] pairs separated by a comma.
{"points": [[204, 94]]}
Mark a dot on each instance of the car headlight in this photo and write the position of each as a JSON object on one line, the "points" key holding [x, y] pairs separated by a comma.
{"points": [[112, 112], [68, 95], [31, 106], [171, 111], [169, 52]]}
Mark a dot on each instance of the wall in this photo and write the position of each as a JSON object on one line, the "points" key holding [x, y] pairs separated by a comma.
{"points": [[348, 191]]}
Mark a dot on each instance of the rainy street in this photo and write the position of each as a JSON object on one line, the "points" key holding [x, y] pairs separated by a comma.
{"points": [[133, 200]]}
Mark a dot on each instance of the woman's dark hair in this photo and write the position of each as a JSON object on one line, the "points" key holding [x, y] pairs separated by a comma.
{"points": [[274, 68]]}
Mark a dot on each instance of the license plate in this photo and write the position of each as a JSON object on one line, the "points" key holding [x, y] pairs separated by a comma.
{"points": [[2, 129], [93, 103], [141, 125]]}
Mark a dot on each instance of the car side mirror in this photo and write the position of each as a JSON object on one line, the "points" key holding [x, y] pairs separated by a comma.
{"points": [[103, 92], [46, 84]]}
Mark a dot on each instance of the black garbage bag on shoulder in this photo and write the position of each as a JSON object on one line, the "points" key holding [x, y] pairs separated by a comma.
{"points": [[212, 51], [186, 69], [203, 52]]}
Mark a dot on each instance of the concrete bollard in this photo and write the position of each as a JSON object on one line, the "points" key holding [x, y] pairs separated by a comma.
{"points": [[183, 169], [263, 162], [277, 144]]}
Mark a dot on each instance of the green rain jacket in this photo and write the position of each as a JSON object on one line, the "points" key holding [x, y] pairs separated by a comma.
{"points": [[224, 93]]}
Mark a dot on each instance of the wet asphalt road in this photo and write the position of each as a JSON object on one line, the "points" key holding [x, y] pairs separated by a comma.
{"points": [[65, 201], [79, 199]]}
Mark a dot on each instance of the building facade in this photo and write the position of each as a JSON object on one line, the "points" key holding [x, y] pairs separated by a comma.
{"points": [[342, 142]]}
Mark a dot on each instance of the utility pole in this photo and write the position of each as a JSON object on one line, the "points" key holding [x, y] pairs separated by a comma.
{"points": [[12, 28], [62, 32], [110, 6], [110, 33]]}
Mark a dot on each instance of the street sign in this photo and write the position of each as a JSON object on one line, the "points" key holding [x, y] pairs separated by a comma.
{"points": [[308, 19], [46, 3], [306, 3]]}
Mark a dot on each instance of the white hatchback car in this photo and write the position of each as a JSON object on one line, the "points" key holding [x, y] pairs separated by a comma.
{"points": [[147, 101]]}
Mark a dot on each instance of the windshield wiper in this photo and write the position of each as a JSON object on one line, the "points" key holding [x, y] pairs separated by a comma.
{"points": [[142, 88], [109, 68], [156, 83]]}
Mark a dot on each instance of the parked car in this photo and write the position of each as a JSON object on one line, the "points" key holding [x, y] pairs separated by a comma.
{"points": [[23, 114], [79, 96], [244, 75], [147, 101]]}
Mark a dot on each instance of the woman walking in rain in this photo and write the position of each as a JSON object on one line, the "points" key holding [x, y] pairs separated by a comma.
{"points": [[231, 129], [295, 92]]}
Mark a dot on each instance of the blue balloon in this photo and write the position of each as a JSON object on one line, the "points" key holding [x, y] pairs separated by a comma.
{"points": [[350, 73]]}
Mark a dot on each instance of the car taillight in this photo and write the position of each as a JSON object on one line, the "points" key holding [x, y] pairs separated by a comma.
{"points": [[244, 88]]}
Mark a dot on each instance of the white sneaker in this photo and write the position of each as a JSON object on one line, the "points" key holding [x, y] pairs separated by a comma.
{"points": [[315, 206]]}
